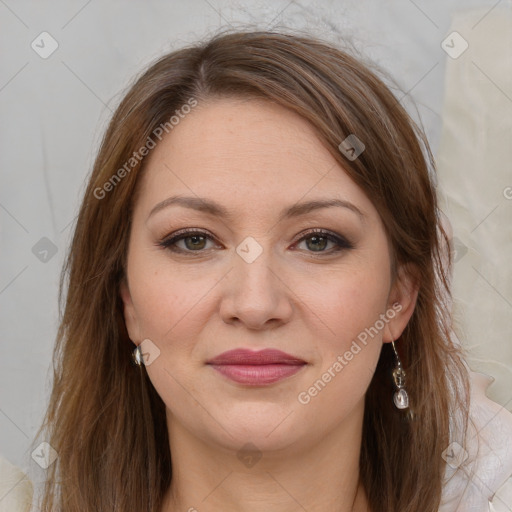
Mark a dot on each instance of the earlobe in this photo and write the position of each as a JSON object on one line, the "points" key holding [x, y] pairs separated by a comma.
{"points": [[402, 300]]}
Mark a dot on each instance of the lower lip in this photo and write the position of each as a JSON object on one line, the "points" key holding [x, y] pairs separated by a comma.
{"points": [[257, 375]]}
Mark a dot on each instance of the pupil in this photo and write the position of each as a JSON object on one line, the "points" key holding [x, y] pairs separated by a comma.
{"points": [[315, 240], [195, 239]]}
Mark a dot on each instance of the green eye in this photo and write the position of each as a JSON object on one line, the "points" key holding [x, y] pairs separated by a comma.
{"points": [[320, 239], [196, 241]]}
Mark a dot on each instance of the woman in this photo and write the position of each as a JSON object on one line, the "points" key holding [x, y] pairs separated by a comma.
{"points": [[262, 231]]}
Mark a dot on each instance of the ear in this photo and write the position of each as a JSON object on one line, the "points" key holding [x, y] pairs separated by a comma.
{"points": [[130, 316], [402, 299]]}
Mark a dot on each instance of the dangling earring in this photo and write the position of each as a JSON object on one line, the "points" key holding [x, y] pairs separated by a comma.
{"points": [[400, 398], [137, 356]]}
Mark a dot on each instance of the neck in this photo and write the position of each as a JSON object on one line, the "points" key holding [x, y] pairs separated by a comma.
{"points": [[316, 476]]}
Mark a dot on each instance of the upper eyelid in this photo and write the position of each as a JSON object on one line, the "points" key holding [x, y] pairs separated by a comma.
{"points": [[185, 233]]}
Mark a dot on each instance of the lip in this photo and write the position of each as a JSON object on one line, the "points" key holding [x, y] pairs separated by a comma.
{"points": [[250, 357], [256, 367]]}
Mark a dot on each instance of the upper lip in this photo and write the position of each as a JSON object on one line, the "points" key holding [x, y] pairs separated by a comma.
{"points": [[251, 357]]}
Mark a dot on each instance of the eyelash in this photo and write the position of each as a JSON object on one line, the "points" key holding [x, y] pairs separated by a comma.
{"points": [[341, 242]]}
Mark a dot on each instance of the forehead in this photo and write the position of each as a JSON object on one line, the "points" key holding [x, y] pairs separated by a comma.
{"points": [[245, 152]]}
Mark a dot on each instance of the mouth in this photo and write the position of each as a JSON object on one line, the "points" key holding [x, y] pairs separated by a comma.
{"points": [[256, 368]]}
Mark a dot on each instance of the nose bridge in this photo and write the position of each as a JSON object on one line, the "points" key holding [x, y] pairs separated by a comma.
{"points": [[255, 293], [253, 268]]}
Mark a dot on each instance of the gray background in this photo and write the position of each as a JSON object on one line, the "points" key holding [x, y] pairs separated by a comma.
{"points": [[54, 111]]}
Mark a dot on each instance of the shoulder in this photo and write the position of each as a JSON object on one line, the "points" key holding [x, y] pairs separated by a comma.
{"points": [[479, 474]]}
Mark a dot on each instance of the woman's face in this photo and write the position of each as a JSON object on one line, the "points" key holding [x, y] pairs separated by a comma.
{"points": [[254, 185]]}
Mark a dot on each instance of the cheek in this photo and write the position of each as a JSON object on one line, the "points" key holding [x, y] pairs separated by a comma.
{"points": [[169, 305], [347, 358], [350, 301], [350, 306], [172, 309]]}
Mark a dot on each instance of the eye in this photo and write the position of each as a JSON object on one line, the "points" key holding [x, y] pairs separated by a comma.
{"points": [[318, 240], [194, 241]]}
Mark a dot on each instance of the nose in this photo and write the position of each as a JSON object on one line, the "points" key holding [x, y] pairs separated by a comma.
{"points": [[256, 294]]}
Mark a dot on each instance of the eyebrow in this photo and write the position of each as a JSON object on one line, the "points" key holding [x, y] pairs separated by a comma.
{"points": [[213, 208]]}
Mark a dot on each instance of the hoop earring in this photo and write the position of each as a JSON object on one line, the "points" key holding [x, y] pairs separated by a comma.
{"points": [[400, 398], [137, 356]]}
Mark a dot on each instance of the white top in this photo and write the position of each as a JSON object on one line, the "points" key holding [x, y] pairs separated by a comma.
{"points": [[479, 475], [481, 483]]}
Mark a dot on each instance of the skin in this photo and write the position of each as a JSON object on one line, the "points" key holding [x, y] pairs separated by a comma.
{"points": [[257, 159]]}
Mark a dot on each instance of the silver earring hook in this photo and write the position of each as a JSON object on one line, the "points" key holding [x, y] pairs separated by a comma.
{"points": [[400, 398]]}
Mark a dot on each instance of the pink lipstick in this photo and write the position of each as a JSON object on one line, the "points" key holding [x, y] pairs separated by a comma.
{"points": [[256, 368]]}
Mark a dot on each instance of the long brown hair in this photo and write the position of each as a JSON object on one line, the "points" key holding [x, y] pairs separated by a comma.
{"points": [[105, 419]]}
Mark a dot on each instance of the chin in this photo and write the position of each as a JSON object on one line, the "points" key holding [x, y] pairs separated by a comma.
{"points": [[267, 426], [256, 440]]}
